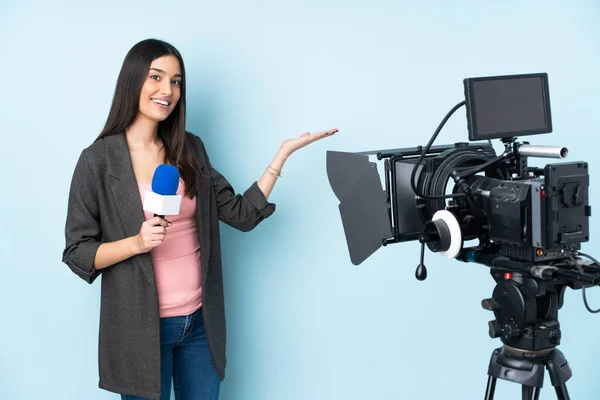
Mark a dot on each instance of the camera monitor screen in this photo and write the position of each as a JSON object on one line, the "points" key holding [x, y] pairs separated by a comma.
{"points": [[507, 106]]}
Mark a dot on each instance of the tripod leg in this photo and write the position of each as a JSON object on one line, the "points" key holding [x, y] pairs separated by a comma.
{"points": [[526, 392], [530, 392], [491, 387], [535, 393], [561, 392]]}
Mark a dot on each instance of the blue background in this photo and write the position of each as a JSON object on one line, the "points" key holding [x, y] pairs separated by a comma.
{"points": [[304, 323]]}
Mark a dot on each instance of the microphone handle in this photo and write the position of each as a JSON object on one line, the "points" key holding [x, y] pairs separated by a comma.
{"points": [[163, 217]]}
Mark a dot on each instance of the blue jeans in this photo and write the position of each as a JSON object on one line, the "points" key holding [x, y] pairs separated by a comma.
{"points": [[185, 358]]}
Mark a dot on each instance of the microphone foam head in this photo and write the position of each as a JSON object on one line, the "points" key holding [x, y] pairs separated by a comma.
{"points": [[165, 180]]}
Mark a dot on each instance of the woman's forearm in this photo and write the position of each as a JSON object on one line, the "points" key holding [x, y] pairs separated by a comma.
{"points": [[269, 177], [114, 252]]}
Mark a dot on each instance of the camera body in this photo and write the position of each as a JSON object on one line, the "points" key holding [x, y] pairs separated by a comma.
{"points": [[532, 219], [529, 214]]}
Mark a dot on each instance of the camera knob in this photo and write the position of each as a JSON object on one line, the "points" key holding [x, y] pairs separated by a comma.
{"points": [[490, 304], [495, 329], [555, 335]]}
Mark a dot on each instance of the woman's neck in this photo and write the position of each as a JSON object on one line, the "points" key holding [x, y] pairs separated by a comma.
{"points": [[142, 132]]}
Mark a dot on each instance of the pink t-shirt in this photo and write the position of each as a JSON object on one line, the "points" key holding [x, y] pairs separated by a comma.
{"points": [[177, 260]]}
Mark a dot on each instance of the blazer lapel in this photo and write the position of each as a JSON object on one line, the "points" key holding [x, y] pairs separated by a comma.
{"points": [[126, 194]]}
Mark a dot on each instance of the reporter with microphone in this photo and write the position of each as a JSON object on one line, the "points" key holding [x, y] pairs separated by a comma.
{"points": [[143, 212]]}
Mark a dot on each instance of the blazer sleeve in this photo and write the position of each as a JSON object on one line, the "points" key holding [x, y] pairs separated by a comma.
{"points": [[82, 228], [241, 211]]}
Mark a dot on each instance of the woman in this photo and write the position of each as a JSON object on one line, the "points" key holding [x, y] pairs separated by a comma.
{"points": [[162, 314]]}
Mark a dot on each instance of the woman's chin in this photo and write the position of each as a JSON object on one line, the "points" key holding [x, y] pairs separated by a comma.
{"points": [[160, 117]]}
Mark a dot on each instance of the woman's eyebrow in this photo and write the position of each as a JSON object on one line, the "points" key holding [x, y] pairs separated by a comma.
{"points": [[162, 72]]}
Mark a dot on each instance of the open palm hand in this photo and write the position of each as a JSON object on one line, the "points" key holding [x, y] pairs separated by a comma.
{"points": [[291, 145]]}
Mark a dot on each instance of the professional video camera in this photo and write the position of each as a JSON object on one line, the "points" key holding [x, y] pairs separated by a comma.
{"points": [[528, 222]]}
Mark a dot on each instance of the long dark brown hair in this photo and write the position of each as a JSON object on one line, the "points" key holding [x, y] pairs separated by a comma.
{"points": [[126, 102]]}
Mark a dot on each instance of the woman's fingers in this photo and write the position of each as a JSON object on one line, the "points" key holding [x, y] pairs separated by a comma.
{"points": [[158, 238], [158, 229]]}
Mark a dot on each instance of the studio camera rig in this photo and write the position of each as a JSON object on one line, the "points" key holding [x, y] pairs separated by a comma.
{"points": [[528, 223]]}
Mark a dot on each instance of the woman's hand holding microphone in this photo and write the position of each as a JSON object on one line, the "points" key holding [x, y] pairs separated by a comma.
{"points": [[152, 234]]}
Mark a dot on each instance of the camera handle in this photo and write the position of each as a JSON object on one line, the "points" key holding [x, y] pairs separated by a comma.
{"points": [[421, 272]]}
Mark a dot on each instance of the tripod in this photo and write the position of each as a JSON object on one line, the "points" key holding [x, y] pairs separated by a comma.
{"points": [[526, 311], [527, 368]]}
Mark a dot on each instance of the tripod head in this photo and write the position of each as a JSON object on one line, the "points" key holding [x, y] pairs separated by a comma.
{"points": [[527, 297]]}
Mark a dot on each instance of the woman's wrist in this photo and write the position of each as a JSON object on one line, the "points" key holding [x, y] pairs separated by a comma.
{"points": [[280, 158], [282, 153], [135, 245]]}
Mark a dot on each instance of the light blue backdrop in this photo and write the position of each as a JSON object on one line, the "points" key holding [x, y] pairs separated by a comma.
{"points": [[304, 323]]}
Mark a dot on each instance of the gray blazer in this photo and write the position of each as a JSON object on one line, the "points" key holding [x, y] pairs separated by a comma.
{"points": [[105, 205]]}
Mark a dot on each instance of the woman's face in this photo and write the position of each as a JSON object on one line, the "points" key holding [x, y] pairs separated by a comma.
{"points": [[162, 89]]}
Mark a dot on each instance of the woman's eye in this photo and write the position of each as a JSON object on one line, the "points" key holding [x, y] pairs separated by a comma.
{"points": [[177, 83], [155, 77]]}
